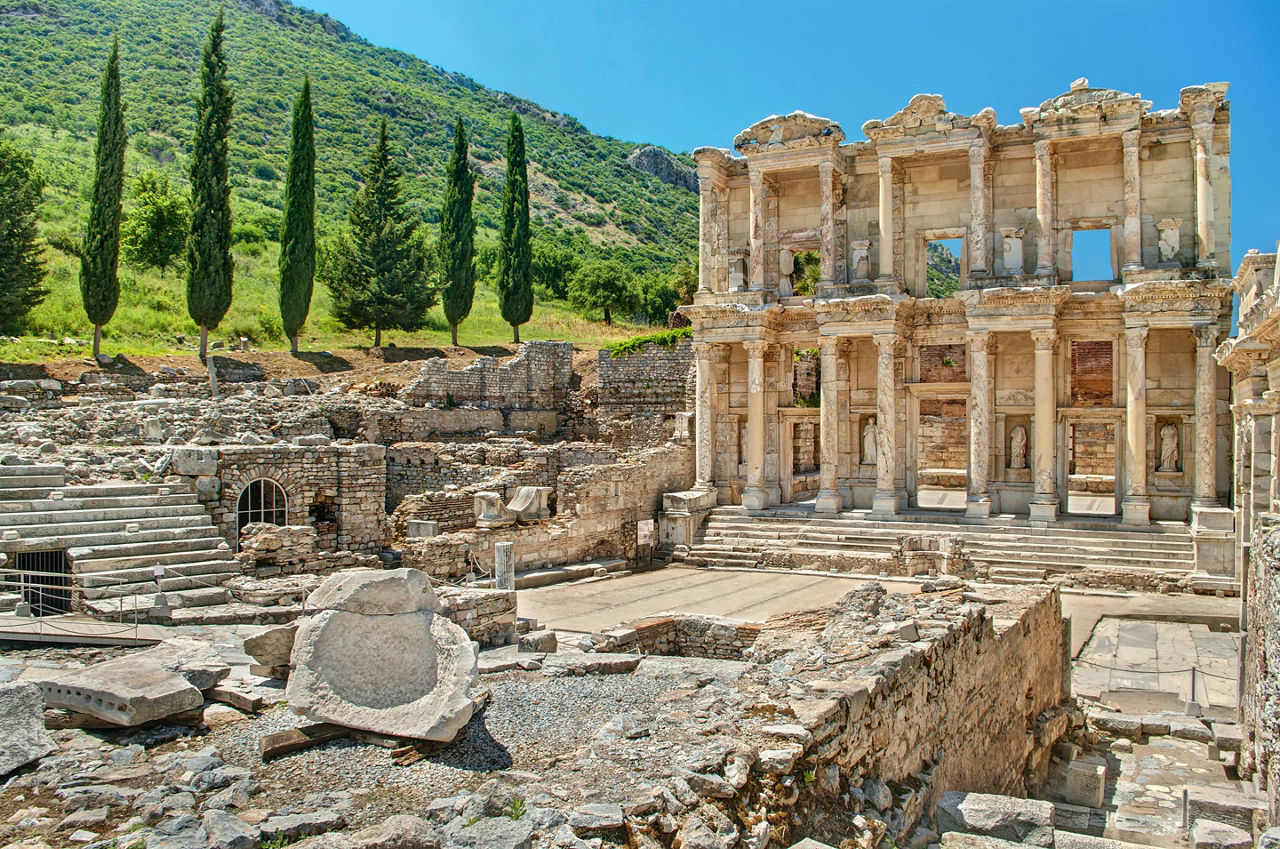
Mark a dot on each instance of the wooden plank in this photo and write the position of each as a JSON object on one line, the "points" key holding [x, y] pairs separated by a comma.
{"points": [[381, 740], [297, 739]]}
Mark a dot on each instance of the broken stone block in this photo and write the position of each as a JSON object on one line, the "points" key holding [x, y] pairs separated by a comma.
{"points": [[228, 831], [1219, 804], [193, 462], [1027, 821], [1117, 724], [1207, 834], [137, 688], [379, 657], [490, 833], [273, 646], [421, 529], [1086, 784], [538, 641], [23, 737]]}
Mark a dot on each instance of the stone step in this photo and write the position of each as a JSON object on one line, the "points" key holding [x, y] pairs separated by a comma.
{"points": [[9, 601], [105, 502], [82, 517], [118, 539], [25, 482], [197, 575], [886, 543], [149, 523], [235, 613], [143, 601], [18, 470], [901, 529], [113, 577], [148, 555], [1017, 572]]}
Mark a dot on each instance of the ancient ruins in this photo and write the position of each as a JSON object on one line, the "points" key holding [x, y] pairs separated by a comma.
{"points": [[868, 558]]}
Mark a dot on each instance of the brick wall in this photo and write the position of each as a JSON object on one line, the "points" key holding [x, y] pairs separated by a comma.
{"points": [[942, 364], [1091, 373]]}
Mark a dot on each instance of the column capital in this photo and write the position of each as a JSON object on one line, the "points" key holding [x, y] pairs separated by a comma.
{"points": [[980, 340], [755, 348], [828, 346], [1130, 138], [1135, 338], [1044, 338], [1042, 147], [704, 350], [826, 169], [1206, 335], [978, 151], [885, 164], [888, 343]]}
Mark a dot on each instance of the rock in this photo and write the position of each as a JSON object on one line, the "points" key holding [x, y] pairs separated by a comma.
{"points": [[1190, 730], [1269, 839], [664, 166], [598, 663], [1020, 820], [194, 462], [538, 641], [1207, 834], [23, 737], [137, 688], [779, 761], [1086, 784], [398, 832], [710, 786], [87, 818], [291, 827], [383, 660], [489, 833], [598, 817], [273, 646], [228, 831], [878, 794]]}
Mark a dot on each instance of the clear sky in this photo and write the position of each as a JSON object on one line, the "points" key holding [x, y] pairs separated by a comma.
{"points": [[686, 74]]}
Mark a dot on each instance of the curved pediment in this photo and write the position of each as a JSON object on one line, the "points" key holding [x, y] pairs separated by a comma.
{"points": [[1084, 98], [927, 112], [797, 130]]}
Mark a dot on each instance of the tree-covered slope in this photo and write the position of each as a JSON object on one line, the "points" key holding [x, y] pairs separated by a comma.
{"points": [[52, 52]]}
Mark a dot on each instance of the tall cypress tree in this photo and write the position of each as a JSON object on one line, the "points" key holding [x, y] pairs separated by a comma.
{"points": [[457, 235], [298, 236], [100, 253], [515, 284], [209, 266]]}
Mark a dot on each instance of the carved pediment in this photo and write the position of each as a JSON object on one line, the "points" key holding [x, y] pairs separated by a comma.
{"points": [[928, 113], [797, 130], [1085, 101]]}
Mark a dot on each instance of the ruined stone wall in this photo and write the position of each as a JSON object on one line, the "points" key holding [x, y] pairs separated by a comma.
{"points": [[1093, 449], [488, 616], [537, 378], [943, 435], [641, 392], [681, 636], [1260, 690]]}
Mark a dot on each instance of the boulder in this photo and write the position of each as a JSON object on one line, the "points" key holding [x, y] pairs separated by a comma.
{"points": [[489, 833], [273, 646], [1207, 834], [379, 657], [398, 832], [23, 737], [228, 831], [1020, 820]]}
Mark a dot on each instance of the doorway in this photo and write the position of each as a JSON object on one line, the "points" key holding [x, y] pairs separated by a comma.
{"points": [[942, 454]]}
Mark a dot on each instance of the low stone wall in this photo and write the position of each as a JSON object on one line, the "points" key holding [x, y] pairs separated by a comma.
{"points": [[681, 636], [537, 378], [1260, 689], [488, 616]]}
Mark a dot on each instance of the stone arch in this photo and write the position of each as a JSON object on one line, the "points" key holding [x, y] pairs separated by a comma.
{"points": [[261, 499]]}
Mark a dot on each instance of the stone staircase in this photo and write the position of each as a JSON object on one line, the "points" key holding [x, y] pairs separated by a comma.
{"points": [[1012, 551], [116, 536]]}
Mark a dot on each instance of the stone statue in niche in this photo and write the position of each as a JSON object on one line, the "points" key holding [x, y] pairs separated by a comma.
{"points": [[869, 443], [1018, 448], [1168, 448], [1169, 232], [786, 267]]}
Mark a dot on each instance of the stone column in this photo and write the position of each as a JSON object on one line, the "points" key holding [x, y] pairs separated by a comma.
{"points": [[1202, 142], [826, 224], [1136, 508], [755, 497], [708, 212], [1044, 504], [979, 500], [885, 502], [886, 219], [1206, 482], [979, 235], [755, 273], [1046, 240], [1132, 201], [704, 418], [828, 500]]}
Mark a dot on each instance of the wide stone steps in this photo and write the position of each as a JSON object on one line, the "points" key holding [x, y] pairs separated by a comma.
{"points": [[63, 503], [32, 477], [994, 527], [147, 555], [183, 576], [99, 516]]}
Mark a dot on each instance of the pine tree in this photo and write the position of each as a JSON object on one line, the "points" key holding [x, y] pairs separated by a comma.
{"points": [[22, 267], [209, 266], [457, 235], [100, 252], [298, 236], [378, 269], [515, 284]]}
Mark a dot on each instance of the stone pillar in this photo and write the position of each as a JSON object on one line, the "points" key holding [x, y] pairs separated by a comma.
{"points": [[1136, 507], [1046, 239], [886, 219], [1202, 142], [1132, 201], [1206, 481], [979, 235], [1044, 504], [755, 274], [828, 500], [704, 418], [504, 566], [755, 496], [708, 212], [885, 502], [826, 224], [979, 501]]}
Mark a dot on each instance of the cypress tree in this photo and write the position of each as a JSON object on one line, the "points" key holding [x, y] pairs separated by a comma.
{"points": [[298, 236], [209, 266], [378, 270], [457, 235], [515, 284], [22, 268], [100, 253]]}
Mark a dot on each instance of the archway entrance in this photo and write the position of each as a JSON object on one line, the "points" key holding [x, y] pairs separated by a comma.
{"points": [[262, 500]]}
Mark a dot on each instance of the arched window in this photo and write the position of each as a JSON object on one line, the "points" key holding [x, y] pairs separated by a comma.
{"points": [[262, 500]]}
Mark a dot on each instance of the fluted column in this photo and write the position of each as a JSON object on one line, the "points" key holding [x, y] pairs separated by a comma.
{"points": [[885, 501], [1046, 241], [1136, 507], [704, 418], [979, 226], [755, 496], [1206, 483], [828, 500], [886, 219], [755, 275], [979, 500], [1044, 503], [826, 224], [1202, 142], [1132, 201]]}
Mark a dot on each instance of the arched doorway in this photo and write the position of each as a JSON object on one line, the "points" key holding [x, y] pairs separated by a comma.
{"points": [[262, 500]]}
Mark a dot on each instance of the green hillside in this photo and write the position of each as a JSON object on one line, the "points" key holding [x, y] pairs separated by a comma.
{"points": [[585, 195]]}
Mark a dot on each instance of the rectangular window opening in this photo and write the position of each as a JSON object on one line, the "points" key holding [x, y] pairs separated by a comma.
{"points": [[943, 274], [1091, 255]]}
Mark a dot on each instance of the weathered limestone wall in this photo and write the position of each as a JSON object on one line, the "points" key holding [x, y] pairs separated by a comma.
{"points": [[488, 616], [681, 636], [641, 392], [1260, 690], [536, 379]]}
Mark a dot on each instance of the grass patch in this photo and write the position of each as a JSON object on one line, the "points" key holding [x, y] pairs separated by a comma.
{"points": [[665, 338]]}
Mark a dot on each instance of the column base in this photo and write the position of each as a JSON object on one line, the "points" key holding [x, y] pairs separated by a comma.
{"points": [[1044, 511], [760, 497], [705, 486], [828, 501], [979, 508], [1212, 516], [1135, 510], [884, 504]]}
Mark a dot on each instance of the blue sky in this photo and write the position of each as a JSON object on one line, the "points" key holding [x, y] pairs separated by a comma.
{"points": [[686, 74]]}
